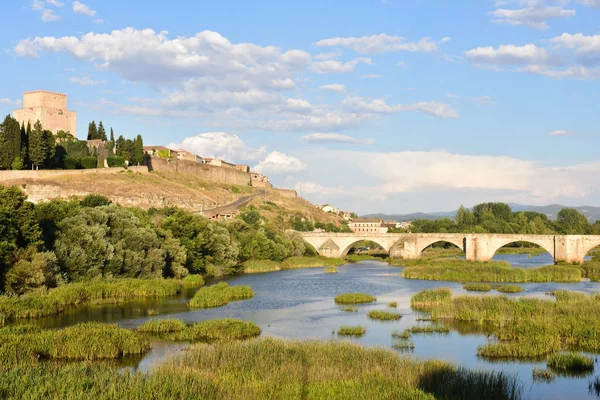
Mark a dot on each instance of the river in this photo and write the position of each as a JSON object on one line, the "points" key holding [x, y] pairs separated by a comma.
{"points": [[298, 304]]}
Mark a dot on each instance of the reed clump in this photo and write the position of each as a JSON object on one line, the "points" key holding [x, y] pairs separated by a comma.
{"points": [[403, 344], [193, 280], [477, 287], [55, 301], [354, 298], [351, 330], [219, 330], [219, 295], [332, 269], [264, 369], [350, 309], [425, 299], [311, 262], [542, 375], [570, 362], [510, 289], [162, 326], [429, 329], [392, 304], [260, 266], [405, 334], [384, 315]]}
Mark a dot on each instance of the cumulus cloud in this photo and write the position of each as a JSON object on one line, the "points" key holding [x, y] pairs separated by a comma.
{"points": [[509, 54], [85, 81], [223, 145], [318, 191], [575, 72], [43, 7], [334, 87], [334, 138], [334, 66], [279, 163], [587, 48], [561, 133], [80, 8], [533, 17], [379, 106], [379, 44]]}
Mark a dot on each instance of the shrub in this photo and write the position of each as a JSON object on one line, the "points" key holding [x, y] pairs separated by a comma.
{"points": [[116, 161], [88, 162], [354, 298], [95, 200], [71, 162]]}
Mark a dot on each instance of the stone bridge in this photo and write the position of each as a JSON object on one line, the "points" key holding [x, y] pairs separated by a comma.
{"points": [[477, 246]]}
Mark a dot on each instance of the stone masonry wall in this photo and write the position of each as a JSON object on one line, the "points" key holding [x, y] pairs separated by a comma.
{"points": [[208, 172]]}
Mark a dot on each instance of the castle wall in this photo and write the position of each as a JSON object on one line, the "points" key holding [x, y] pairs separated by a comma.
{"points": [[41, 98], [206, 171], [50, 109]]}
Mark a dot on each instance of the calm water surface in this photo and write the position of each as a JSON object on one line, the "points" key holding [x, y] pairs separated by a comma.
{"points": [[298, 304]]}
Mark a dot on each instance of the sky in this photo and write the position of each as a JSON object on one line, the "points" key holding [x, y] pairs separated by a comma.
{"points": [[390, 106]]}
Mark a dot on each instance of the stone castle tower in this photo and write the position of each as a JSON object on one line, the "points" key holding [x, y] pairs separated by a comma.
{"points": [[50, 109]]}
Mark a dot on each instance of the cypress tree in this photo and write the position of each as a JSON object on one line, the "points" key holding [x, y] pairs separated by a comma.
{"points": [[36, 146], [92, 131], [5, 145], [101, 131], [138, 149], [10, 141], [112, 137], [49, 145], [25, 143]]}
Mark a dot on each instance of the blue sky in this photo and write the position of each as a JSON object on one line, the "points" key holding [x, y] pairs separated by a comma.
{"points": [[374, 106]]}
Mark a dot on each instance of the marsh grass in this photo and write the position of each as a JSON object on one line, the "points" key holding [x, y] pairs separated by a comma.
{"points": [[456, 270], [570, 362], [403, 344], [426, 299], [383, 315], [477, 287], [351, 330], [219, 295], [219, 330], [392, 304], [332, 269], [56, 301], [365, 257], [260, 266], [354, 298], [162, 326], [542, 375], [264, 369], [510, 289], [405, 334], [193, 280], [311, 262], [429, 329], [350, 309]]}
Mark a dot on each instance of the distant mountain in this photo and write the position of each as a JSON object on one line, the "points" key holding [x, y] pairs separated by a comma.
{"points": [[592, 213]]}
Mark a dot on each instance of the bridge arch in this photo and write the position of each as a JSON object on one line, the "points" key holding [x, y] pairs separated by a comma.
{"points": [[589, 246], [347, 249], [458, 242], [544, 244]]}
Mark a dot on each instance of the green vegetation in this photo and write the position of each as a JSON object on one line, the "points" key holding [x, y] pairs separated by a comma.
{"points": [[162, 326], [363, 257], [455, 270], [350, 309], [570, 362], [218, 330], [265, 369], [392, 304], [88, 341], [55, 301], [354, 298], [428, 298], [428, 329], [526, 327], [383, 315], [351, 330], [193, 280], [403, 344], [219, 295], [311, 262], [510, 289], [259, 266], [332, 269], [542, 375], [477, 287], [405, 334]]}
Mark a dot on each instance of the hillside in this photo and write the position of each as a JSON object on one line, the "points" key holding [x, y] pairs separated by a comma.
{"points": [[138, 187]]}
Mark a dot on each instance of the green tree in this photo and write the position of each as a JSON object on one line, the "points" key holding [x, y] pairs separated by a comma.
{"points": [[464, 217], [101, 131], [138, 150], [10, 141], [37, 153], [571, 222], [92, 131], [17, 163], [33, 270]]}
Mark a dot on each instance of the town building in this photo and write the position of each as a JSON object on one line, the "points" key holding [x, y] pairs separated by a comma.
{"points": [[159, 151], [50, 109], [186, 155], [260, 180], [328, 208], [242, 167], [368, 225], [217, 162]]}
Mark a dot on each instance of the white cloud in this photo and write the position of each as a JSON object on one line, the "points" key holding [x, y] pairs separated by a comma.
{"points": [[47, 14], [315, 190], [379, 44], [369, 76], [379, 106], [561, 133], [483, 100], [334, 66], [85, 81], [334, 87], [279, 163], [402, 64], [533, 17], [446, 39], [223, 145], [509, 54], [576, 72], [98, 21], [80, 8], [587, 48], [334, 138]]}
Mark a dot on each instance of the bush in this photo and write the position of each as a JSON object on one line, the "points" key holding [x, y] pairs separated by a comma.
{"points": [[95, 200], [17, 164], [71, 162], [89, 162], [116, 161]]}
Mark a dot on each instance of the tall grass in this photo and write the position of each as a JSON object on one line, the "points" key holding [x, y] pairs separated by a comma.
{"points": [[332, 269], [477, 287], [570, 362], [383, 315], [162, 326], [55, 301], [351, 330], [354, 298], [311, 262], [510, 289], [193, 280], [264, 369], [542, 375], [259, 266], [219, 329], [428, 298], [219, 295]]}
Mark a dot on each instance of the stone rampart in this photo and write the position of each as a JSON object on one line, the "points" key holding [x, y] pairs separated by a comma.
{"points": [[208, 172]]}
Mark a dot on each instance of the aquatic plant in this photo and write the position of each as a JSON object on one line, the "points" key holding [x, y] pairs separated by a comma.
{"points": [[351, 330], [509, 289], [542, 375], [392, 304], [570, 362], [429, 329], [384, 315], [405, 334], [477, 287], [350, 309], [403, 344], [311, 262], [162, 326], [219, 295], [428, 298], [332, 269], [193, 280], [354, 298], [259, 266], [220, 329]]}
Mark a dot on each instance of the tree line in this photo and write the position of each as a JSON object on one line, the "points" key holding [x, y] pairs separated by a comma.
{"points": [[49, 244], [23, 147], [499, 218]]}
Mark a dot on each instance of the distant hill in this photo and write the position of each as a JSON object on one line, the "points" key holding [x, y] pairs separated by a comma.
{"points": [[592, 213]]}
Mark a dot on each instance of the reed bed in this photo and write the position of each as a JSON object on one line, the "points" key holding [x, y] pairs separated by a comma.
{"points": [[260, 266], [542, 375], [527, 327], [265, 369], [350, 309], [219, 295], [332, 269], [392, 304], [364, 257], [354, 298], [429, 329], [311, 262], [570, 362], [351, 330], [162, 326], [55, 301], [510, 289], [454, 270], [477, 287], [219, 330], [405, 334], [403, 344], [383, 315], [426, 299], [193, 280]]}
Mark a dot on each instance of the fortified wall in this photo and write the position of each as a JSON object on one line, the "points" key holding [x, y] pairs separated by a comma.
{"points": [[50, 109], [206, 171]]}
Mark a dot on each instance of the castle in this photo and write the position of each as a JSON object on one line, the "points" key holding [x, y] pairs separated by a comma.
{"points": [[50, 109]]}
